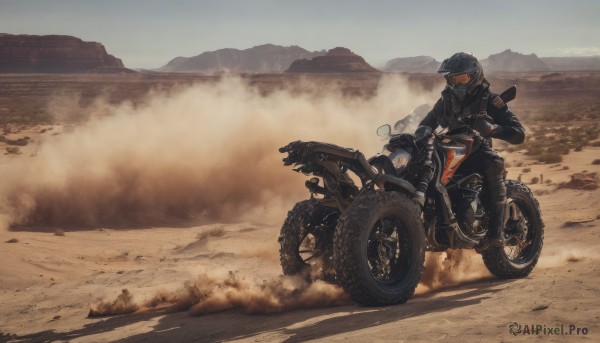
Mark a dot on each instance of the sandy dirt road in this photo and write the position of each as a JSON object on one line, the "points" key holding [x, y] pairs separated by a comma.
{"points": [[49, 282]]}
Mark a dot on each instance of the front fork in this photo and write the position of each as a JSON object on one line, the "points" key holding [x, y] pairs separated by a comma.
{"points": [[515, 228]]}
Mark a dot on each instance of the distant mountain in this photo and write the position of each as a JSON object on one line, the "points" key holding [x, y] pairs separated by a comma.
{"points": [[506, 61], [337, 60], [573, 63], [53, 54], [419, 64], [267, 58], [509, 61]]}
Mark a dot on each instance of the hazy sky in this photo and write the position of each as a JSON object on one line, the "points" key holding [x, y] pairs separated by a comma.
{"points": [[149, 33]]}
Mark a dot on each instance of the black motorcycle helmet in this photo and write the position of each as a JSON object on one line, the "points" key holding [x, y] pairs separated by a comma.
{"points": [[463, 73]]}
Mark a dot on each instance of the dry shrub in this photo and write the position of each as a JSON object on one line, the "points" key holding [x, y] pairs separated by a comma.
{"points": [[582, 181], [535, 180], [19, 141], [596, 161], [12, 150], [549, 157], [556, 139], [561, 149]]}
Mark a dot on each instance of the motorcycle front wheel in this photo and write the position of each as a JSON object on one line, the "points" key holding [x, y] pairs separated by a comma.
{"points": [[518, 260]]}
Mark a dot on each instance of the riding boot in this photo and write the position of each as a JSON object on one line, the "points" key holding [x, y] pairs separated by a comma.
{"points": [[494, 173], [496, 227]]}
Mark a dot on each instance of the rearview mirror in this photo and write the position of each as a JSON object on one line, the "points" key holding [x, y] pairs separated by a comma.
{"points": [[384, 130]]}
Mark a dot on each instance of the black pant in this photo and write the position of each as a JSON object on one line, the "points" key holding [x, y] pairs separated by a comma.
{"points": [[488, 163]]}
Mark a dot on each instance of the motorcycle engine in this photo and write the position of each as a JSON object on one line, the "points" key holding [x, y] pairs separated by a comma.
{"points": [[467, 206]]}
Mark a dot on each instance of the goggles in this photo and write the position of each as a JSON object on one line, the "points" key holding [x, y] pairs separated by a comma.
{"points": [[459, 79]]}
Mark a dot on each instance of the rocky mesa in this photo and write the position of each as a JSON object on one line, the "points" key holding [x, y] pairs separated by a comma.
{"points": [[266, 58], [506, 61], [337, 60], [418, 64], [52, 54], [510, 61]]}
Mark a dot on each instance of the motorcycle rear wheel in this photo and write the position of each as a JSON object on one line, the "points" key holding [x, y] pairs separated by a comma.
{"points": [[379, 248], [306, 243]]}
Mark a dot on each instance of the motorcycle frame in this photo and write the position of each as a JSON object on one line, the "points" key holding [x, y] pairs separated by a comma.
{"points": [[336, 178]]}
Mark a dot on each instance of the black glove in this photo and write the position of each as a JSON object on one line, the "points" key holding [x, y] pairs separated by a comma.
{"points": [[484, 127]]}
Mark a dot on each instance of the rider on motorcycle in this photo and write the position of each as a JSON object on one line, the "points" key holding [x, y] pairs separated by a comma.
{"points": [[467, 103]]}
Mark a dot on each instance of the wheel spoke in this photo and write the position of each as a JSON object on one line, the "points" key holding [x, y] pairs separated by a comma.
{"points": [[523, 235], [316, 254], [385, 256]]}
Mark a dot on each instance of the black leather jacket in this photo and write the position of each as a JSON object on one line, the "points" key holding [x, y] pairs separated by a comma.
{"points": [[449, 112]]}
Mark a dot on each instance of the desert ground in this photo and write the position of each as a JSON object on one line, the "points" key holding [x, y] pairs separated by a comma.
{"points": [[80, 264]]}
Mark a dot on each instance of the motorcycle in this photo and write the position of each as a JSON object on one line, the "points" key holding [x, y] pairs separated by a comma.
{"points": [[368, 224]]}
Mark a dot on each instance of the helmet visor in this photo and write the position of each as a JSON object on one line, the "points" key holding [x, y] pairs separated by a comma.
{"points": [[459, 79]]}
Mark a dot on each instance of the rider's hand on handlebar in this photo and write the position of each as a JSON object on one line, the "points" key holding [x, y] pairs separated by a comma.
{"points": [[484, 127]]}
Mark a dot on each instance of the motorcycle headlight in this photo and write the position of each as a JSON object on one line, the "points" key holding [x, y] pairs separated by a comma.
{"points": [[400, 158]]}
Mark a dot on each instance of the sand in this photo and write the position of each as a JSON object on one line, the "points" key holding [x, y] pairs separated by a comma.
{"points": [[219, 279], [50, 280]]}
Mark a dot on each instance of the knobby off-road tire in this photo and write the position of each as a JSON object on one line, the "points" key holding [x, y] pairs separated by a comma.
{"points": [[293, 230], [496, 259], [352, 245]]}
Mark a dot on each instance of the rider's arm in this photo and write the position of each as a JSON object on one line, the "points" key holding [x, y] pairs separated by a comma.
{"points": [[508, 126], [431, 119]]}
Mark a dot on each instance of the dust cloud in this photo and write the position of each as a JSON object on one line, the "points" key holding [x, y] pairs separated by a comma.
{"points": [[211, 294], [450, 268], [123, 304], [454, 267], [206, 152], [561, 256]]}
